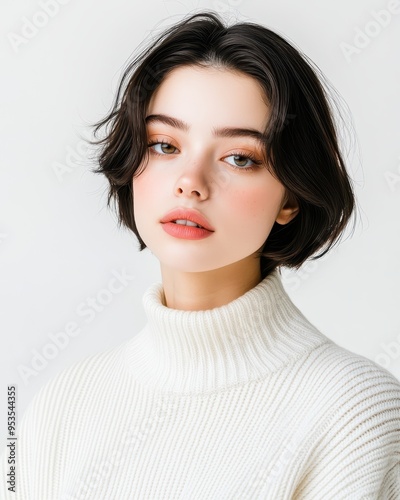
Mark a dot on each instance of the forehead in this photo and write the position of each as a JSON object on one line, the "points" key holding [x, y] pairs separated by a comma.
{"points": [[220, 96]]}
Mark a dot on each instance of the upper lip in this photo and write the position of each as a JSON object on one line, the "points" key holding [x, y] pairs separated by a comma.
{"points": [[188, 214]]}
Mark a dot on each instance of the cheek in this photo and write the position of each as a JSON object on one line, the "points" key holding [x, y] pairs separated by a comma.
{"points": [[255, 208], [145, 190], [142, 198]]}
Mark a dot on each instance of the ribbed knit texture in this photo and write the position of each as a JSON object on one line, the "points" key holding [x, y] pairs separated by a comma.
{"points": [[244, 401]]}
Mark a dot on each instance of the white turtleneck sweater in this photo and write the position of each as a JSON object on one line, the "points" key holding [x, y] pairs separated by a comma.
{"points": [[244, 401]]}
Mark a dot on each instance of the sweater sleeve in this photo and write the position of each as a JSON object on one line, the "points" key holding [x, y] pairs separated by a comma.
{"points": [[27, 438], [358, 455], [39, 441]]}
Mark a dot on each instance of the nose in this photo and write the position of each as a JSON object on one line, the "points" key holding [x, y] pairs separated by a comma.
{"points": [[183, 189], [194, 180], [202, 176]]}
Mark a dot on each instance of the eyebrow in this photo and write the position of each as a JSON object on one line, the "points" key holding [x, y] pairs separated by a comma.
{"points": [[217, 132]]}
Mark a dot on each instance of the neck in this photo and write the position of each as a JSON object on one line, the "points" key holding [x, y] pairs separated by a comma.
{"points": [[200, 291], [242, 341]]}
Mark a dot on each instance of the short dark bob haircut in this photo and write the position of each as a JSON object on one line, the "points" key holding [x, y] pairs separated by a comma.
{"points": [[301, 139]]}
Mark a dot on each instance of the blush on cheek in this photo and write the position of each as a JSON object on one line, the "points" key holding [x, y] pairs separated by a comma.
{"points": [[144, 189], [257, 208], [255, 202]]}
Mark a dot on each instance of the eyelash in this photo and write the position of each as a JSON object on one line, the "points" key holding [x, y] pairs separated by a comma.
{"points": [[242, 154]]}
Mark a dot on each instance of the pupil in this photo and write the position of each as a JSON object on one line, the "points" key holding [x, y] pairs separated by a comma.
{"points": [[165, 147], [243, 161]]}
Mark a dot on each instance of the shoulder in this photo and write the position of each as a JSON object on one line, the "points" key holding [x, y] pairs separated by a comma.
{"points": [[347, 372], [346, 390], [366, 394], [74, 382], [356, 450], [361, 400]]}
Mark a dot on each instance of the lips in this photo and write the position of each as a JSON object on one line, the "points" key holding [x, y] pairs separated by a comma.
{"points": [[187, 214]]}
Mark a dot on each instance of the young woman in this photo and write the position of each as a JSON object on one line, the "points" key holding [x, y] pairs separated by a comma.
{"points": [[223, 158]]}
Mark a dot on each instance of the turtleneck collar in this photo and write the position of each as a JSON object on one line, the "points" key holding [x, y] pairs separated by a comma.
{"points": [[202, 351]]}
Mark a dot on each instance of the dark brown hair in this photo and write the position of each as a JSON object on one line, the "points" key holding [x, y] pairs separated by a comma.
{"points": [[301, 139]]}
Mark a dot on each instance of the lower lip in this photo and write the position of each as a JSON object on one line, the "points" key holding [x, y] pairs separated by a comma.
{"points": [[187, 232]]}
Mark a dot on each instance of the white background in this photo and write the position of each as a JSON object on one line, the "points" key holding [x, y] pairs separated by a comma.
{"points": [[59, 244]]}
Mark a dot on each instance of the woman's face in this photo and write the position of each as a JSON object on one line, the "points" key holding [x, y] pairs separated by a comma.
{"points": [[208, 172]]}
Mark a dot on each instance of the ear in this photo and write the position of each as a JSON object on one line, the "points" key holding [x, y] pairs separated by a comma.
{"points": [[289, 209]]}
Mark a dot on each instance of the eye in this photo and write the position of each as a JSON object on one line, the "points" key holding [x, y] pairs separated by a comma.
{"points": [[243, 161], [240, 160], [164, 148]]}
